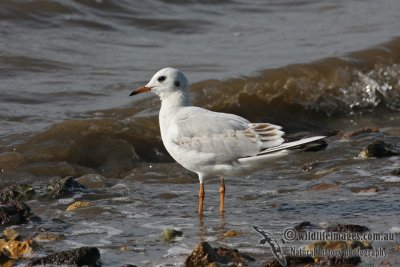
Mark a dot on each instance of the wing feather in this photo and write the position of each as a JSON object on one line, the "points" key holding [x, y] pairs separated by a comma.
{"points": [[221, 137]]}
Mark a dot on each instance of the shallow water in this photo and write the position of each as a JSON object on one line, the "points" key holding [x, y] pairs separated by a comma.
{"points": [[129, 214], [66, 68]]}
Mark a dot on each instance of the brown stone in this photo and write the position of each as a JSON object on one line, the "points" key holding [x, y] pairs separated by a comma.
{"points": [[17, 249], [79, 205], [324, 186], [231, 233], [205, 255], [342, 228], [291, 261], [378, 149], [202, 255], [84, 256]]}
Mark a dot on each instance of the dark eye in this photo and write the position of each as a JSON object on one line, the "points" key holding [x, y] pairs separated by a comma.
{"points": [[177, 83], [161, 78]]}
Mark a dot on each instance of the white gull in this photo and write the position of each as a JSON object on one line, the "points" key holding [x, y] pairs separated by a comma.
{"points": [[212, 143]]}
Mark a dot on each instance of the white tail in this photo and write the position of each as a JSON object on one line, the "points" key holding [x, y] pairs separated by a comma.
{"points": [[258, 161], [291, 144]]}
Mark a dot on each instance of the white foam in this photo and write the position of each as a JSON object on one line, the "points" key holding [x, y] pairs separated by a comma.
{"points": [[66, 201], [362, 172], [395, 229], [75, 244], [139, 215], [367, 193], [268, 192], [122, 199], [87, 231], [177, 251], [391, 179]]}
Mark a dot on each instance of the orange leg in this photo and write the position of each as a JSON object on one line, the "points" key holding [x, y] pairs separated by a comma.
{"points": [[201, 198], [222, 195]]}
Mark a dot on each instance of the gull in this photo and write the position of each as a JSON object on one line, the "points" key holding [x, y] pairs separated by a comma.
{"points": [[212, 143]]}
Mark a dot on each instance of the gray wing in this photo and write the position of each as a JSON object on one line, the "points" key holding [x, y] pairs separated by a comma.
{"points": [[221, 136]]}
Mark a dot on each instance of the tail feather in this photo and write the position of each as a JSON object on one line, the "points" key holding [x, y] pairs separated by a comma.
{"points": [[258, 161], [291, 144]]}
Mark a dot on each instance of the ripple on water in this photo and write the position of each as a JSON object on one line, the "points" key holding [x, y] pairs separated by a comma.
{"points": [[139, 215], [106, 233]]}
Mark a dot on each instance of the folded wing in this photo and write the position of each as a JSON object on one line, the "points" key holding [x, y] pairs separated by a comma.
{"points": [[221, 137]]}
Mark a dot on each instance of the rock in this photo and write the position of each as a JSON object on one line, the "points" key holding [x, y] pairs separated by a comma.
{"points": [[302, 226], [3, 258], [396, 171], [339, 261], [344, 228], [17, 192], [11, 234], [216, 264], [311, 165], [18, 249], [231, 233], [204, 255], [49, 236], [124, 248], [324, 186], [168, 234], [79, 205], [84, 256], [14, 213], [367, 190], [291, 261], [92, 180], [64, 187], [336, 246], [354, 244], [233, 255], [378, 149]]}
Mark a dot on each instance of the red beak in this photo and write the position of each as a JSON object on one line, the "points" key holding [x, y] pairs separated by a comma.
{"points": [[140, 90]]}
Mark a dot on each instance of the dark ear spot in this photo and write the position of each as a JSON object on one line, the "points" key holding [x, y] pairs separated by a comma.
{"points": [[177, 83], [161, 78]]}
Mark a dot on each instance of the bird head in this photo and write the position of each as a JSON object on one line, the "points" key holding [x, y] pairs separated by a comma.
{"points": [[165, 82]]}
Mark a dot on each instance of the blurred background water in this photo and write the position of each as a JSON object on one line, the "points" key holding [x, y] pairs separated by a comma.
{"points": [[60, 59]]}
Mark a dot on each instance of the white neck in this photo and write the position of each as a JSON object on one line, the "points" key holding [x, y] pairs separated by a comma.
{"points": [[175, 99], [170, 104]]}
